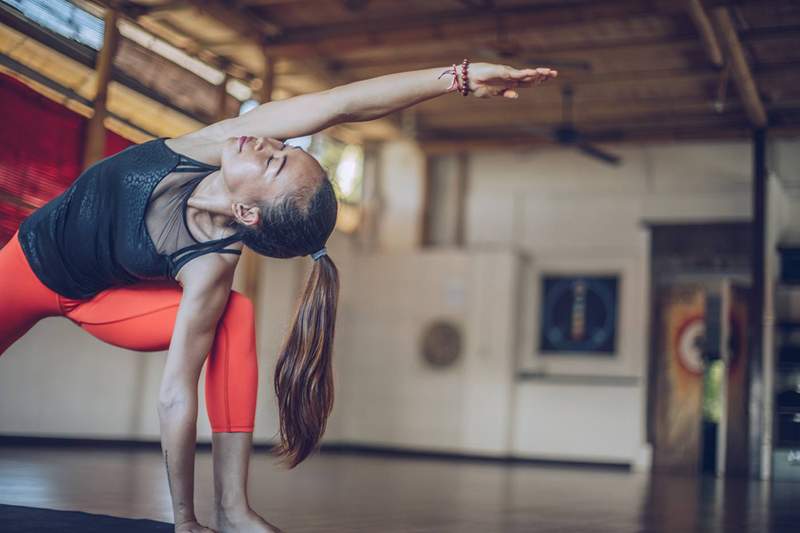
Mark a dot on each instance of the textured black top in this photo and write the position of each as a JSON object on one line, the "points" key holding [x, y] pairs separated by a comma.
{"points": [[123, 220]]}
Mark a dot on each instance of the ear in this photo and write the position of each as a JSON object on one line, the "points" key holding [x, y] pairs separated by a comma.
{"points": [[245, 214]]}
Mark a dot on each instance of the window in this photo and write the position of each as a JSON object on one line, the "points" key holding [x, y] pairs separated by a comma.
{"points": [[345, 166], [63, 18]]}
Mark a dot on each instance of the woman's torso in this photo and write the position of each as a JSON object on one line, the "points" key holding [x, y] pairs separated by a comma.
{"points": [[123, 220]]}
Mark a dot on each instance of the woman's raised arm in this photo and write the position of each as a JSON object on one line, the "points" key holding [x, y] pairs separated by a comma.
{"points": [[371, 99]]}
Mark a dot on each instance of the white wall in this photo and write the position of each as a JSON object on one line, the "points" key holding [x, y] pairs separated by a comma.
{"points": [[57, 380], [401, 174], [527, 212], [386, 394], [572, 214]]}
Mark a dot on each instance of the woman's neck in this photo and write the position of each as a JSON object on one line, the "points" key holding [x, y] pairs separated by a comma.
{"points": [[208, 211]]}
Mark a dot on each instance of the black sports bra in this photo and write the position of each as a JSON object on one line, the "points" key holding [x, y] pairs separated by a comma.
{"points": [[121, 221]]}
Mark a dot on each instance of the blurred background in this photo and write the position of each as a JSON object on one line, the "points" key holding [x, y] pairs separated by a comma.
{"points": [[601, 272]]}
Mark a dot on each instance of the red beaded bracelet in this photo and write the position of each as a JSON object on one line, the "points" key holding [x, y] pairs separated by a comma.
{"points": [[464, 77]]}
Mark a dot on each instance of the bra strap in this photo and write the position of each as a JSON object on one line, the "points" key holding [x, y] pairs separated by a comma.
{"points": [[179, 258]]}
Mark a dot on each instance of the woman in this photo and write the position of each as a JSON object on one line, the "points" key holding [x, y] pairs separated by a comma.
{"points": [[107, 254]]}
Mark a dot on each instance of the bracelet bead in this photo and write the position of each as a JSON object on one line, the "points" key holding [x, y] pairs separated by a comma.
{"points": [[464, 89]]}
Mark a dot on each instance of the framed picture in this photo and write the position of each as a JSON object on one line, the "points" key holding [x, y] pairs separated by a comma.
{"points": [[579, 315]]}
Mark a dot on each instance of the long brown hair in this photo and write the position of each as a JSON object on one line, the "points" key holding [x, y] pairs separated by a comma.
{"points": [[304, 373], [303, 379]]}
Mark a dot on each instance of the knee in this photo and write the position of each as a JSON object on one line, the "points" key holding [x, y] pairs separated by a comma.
{"points": [[240, 307], [239, 314]]}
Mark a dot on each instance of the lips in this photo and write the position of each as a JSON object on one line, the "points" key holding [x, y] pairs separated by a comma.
{"points": [[242, 140]]}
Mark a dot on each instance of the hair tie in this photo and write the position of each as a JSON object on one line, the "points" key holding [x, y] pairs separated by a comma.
{"points": [[316, 255]]}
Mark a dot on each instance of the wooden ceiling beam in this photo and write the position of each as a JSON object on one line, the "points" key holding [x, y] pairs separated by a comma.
{"points": [[240, 22], [439, 56], [602, 130], [163, 7], [703, 25], [456, 24], [247, 23], [742, 75], [594, 89], [443, 51], [611, 112], [271, 2], [444, 146], [682, 43]]}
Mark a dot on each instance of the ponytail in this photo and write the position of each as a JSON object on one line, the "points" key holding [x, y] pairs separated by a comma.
{"points": [[304, 371]]}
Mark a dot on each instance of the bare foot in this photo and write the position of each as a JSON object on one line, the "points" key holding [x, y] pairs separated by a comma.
{"points": [[192, 526], [247, 521]]}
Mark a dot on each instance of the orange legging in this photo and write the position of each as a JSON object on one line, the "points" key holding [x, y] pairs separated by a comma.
{"points": [[141, 317]]}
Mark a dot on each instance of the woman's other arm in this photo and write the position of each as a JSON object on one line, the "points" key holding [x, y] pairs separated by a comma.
{"points": [[368, 100], [207, 282]]}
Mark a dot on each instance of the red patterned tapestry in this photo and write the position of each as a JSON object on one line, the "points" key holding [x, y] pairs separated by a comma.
{"points": [[41, 146]]}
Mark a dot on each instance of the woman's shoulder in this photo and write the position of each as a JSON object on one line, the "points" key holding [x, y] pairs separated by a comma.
{"points": [[210, 270]]}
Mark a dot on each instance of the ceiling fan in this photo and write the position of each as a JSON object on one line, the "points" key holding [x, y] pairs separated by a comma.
{"points": [[566, 134]]}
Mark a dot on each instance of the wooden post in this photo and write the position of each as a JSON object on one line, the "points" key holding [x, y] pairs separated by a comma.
{"points": [[95, 140], [761, 362], [371, 198], [461, 198], [698, 14], [222, 98], [268, 85], [742, 75]]}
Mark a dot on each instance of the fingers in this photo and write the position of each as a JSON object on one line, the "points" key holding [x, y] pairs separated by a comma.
{"points": [[533, 74]]}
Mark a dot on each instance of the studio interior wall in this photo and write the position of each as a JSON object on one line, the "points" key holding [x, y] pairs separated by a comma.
{"points": [[527, 213]]}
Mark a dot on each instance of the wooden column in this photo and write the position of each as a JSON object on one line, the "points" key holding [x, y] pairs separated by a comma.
{"points": [[462, 189], [761, 360], [703, 25], [268, 83], [371, 200], [742, 75], [95, 140], [222, 98]]}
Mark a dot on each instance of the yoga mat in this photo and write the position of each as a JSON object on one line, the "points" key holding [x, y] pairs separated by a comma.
{"points": [[18, 519]]}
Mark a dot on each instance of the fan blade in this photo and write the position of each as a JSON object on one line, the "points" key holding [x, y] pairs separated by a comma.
{"points": [[597, 153], [537, 130], [603, 135]]}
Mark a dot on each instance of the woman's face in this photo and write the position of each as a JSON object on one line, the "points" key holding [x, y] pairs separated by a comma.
{"points": [[258, 169]]}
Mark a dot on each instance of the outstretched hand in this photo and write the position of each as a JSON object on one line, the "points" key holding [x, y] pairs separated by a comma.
{"points": [[487, 79]]}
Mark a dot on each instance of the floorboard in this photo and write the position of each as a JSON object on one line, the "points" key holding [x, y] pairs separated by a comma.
{"points": [[333, 493]]}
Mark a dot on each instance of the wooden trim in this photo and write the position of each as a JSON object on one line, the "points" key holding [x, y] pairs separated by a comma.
{"points": [[456, 24], [426, 212], [581, 379], [462, 178], [706, 31], [95, 129], [23, 72], [742, 75], [85, 56], [332, 448]]}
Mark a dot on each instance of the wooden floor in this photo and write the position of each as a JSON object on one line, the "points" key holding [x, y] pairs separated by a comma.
{"points": [[347, 493]]}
